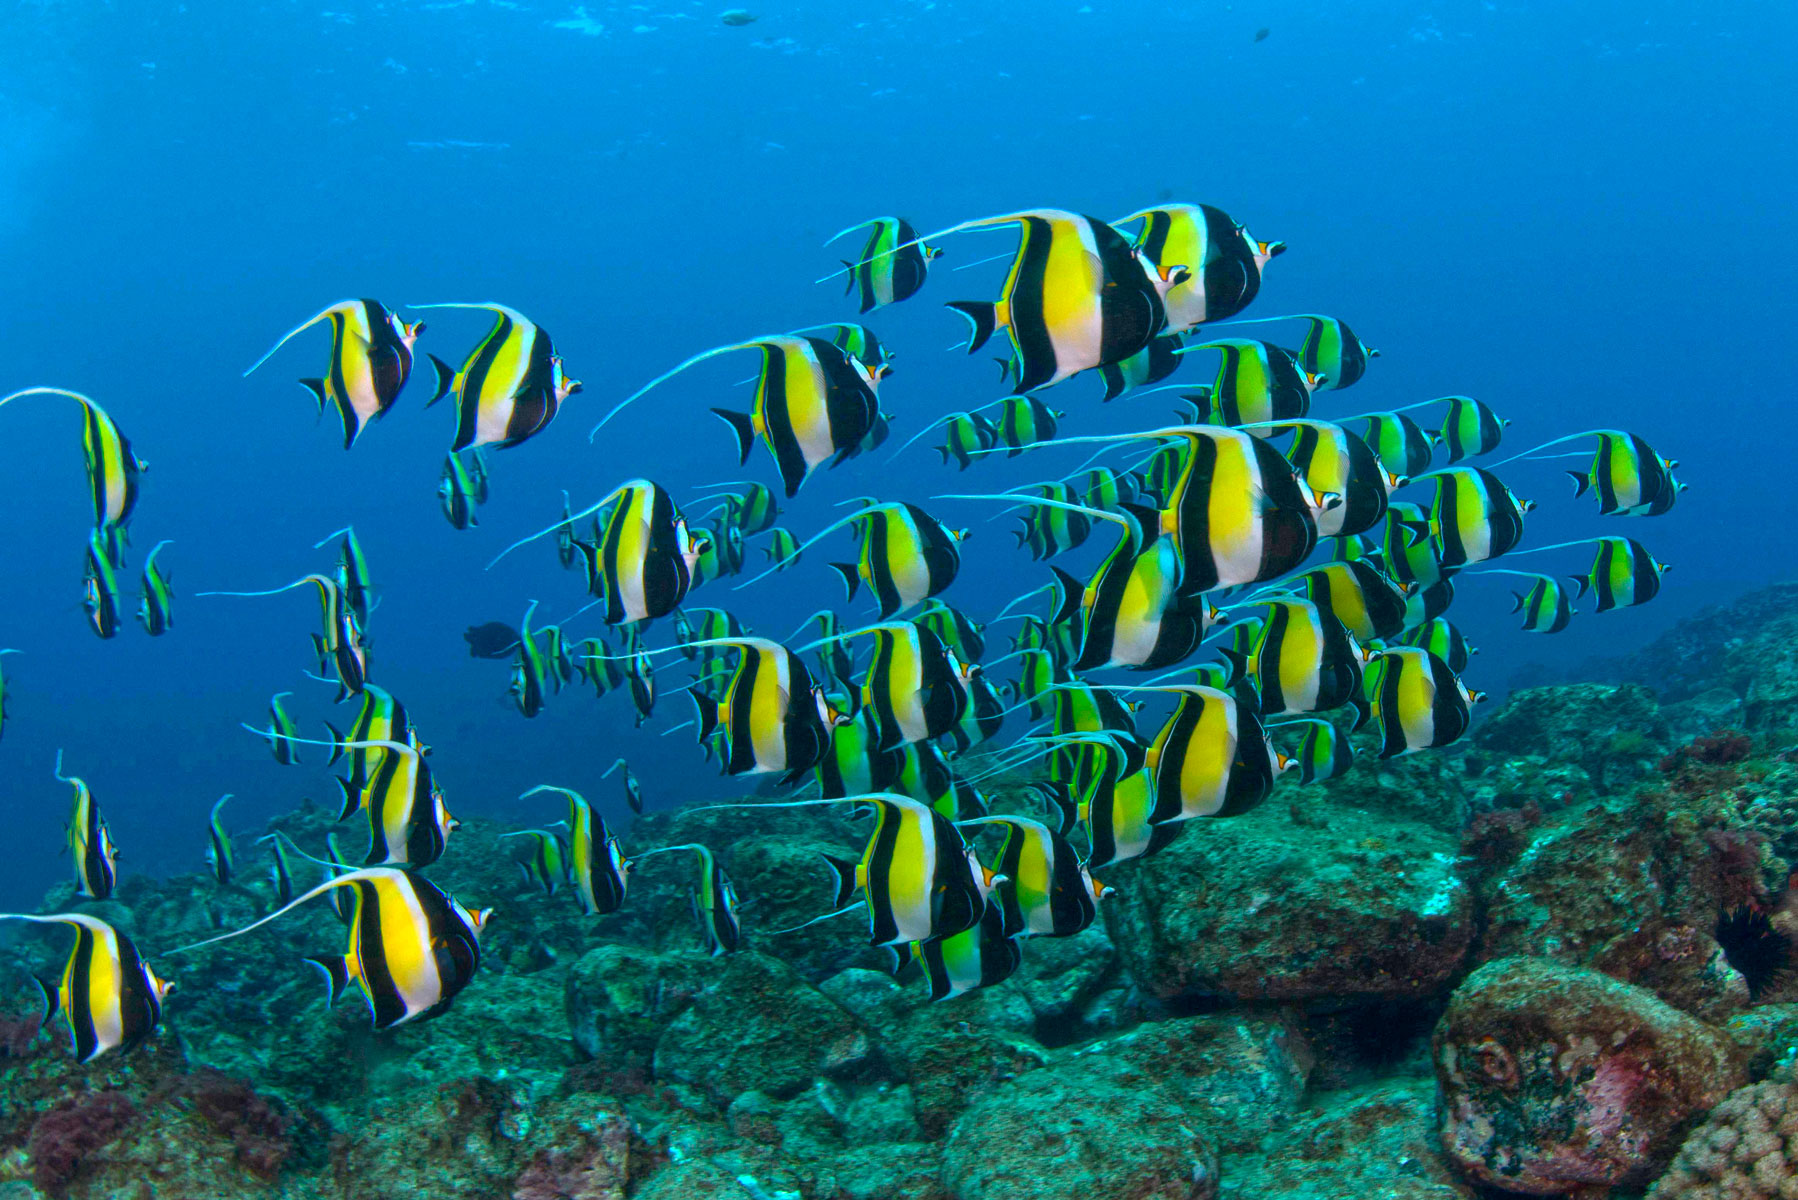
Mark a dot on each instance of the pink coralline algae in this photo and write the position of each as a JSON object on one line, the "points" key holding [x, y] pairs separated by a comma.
{"points": [[1556, 1078]]}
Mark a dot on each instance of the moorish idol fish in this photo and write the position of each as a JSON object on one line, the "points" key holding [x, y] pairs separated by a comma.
{"points": [[974, 958], [413, 947], [1333, 461], [408, 824], [1623, 572], [512, 385], [1474, 517], [813, 402], [1212, 758], [156, 607], [219, 854], [596, 863], [1417, 702], [530, 669], [751, 507], [913, 684], [893, 262], [1024, 421], [108, 995], [642, 564], [1304, 661], [1323, 754], [1407, 552], [280, 872], [967, 434], [341, 647], [1048, 890], [91, 850], [371, 359], [353, 578], [633, 790], [1546, 607], [1359, 595], [957, 631], [1112, 795], [3, 712], [1331, 356], [545, 864], [1223, 264], [1470, 428], [917, 877], [1150, 365], [714, 900], [456, 493], [1049, 530], [113, 468], [1077, 297], [639, 673], [1427, 603], [380, 718], [1446, 641], [1257, 383], [773, 717], [782, 548], [1403, 447], [100, 597], [853, 763], [1629, 478], [907, 556]]}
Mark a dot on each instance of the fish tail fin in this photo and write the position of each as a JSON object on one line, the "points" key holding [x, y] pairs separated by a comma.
{"points": [[1069, 592], [351, 801], [842, 874], [446, 378], [1058, 795], [1580, 483], [982, 317], [317, 388], [52, 996], [337, 741], [943, 450], [337, 973], [707, 709], [743, 426], [851, 581], [1516, 602], [1581, 585]]}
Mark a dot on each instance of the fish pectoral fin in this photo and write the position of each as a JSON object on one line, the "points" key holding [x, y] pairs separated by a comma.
{"points": [[338, 972]]}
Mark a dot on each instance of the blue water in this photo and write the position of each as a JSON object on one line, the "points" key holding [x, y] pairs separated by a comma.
{"points": [[1574, 212]]}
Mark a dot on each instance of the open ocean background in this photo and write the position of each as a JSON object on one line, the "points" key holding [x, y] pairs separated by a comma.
{"points": [[1576, 212]]}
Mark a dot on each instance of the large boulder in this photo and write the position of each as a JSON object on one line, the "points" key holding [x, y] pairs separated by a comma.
{"points": [[755, 1024], [1344, 906], [1375, 1142], [1076, 1134], [1556, 1078]]}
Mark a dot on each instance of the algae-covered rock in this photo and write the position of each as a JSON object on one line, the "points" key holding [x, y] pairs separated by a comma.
{"points": [[619, 999], [1239, 1077], [1554, 1078], [754, 1023], [951, 1053], [1074, 1134], [1377, 1142], [1577, 722], [1258, 908], [1633, 886]]}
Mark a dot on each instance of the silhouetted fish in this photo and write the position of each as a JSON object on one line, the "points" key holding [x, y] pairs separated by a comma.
{"points": [[1261, 34], [495, 639]]}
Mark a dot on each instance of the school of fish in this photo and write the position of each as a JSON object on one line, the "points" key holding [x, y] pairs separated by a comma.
{"points": [[1286, 578]]}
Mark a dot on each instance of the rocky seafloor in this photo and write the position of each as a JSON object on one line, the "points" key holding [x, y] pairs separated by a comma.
{"points": [[1560, 959]]}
